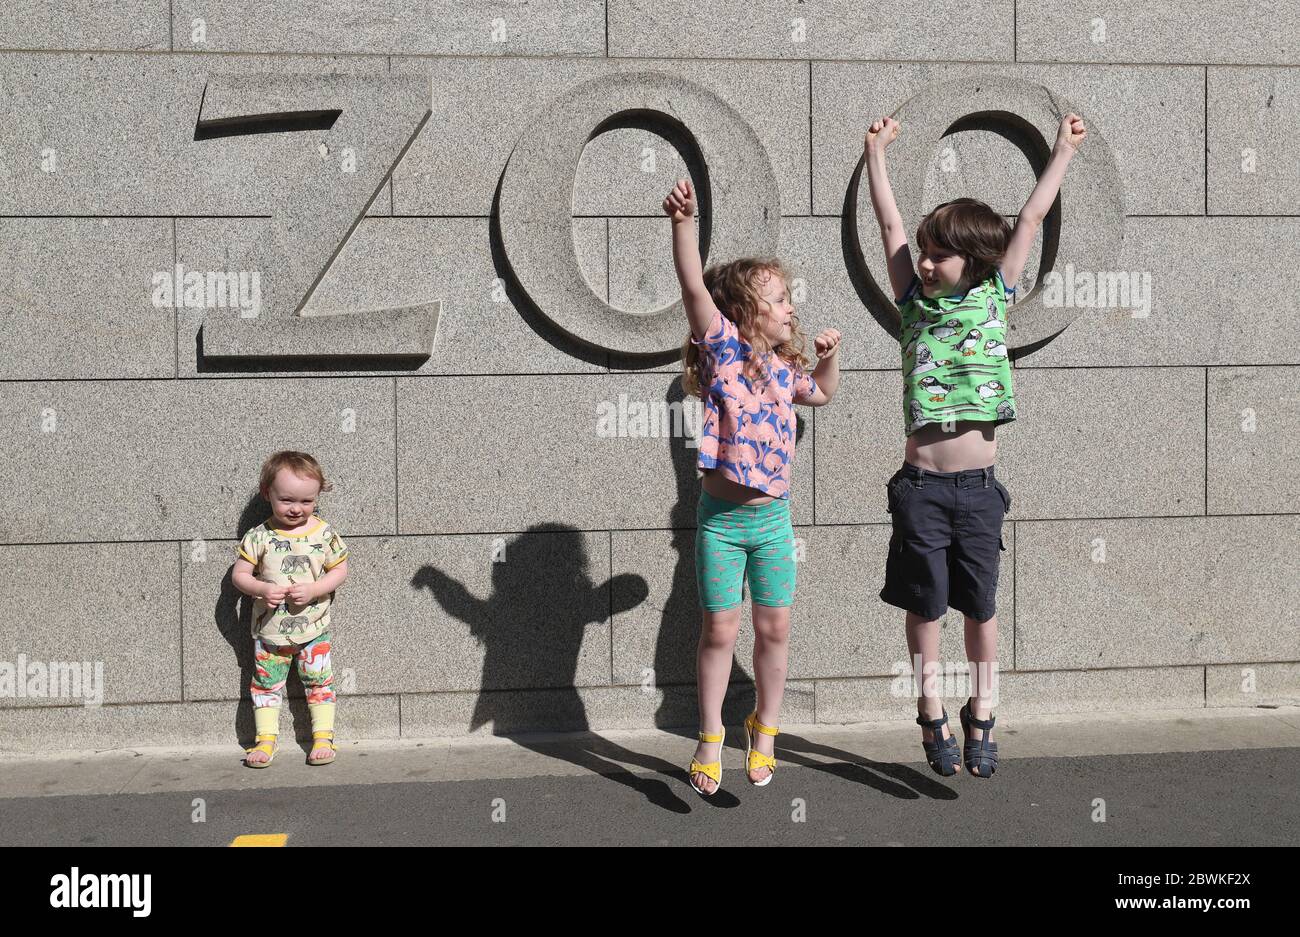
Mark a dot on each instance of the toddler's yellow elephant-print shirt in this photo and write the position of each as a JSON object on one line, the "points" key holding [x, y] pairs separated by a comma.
{"points": [[287, 559]]}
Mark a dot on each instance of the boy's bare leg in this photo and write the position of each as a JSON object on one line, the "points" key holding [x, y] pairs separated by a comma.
{"points": [[982, 652], [923, 639]]}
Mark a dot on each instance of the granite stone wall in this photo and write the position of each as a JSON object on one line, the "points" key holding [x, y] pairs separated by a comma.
{"points": [[422, 240]]}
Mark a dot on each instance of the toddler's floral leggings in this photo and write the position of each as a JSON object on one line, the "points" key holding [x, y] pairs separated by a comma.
{"points": [[270, 671]]}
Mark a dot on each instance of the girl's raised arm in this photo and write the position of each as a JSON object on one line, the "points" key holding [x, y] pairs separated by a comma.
{"points": [[700, 308], [1068, 137], [898, 255]]}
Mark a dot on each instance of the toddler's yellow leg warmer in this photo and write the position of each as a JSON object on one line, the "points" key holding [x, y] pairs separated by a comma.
{"points": [[266, 720], [322, 716]]}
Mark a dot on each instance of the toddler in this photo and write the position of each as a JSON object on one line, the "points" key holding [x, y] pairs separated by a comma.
{"points": [[291, 563]]}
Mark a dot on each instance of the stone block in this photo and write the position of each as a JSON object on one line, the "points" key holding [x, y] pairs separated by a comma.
{"points": [[114, 134], [393, 27], [1250, 117], [179, 460], [78, 302], [137, 25], [980, 31], [1267, 685], [87, 624], [1154, 592], [1152, 31], [1185, 291], [1253, 421]]}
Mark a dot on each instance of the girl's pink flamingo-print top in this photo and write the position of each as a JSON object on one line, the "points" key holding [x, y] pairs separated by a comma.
{"points": [[749, 426]]}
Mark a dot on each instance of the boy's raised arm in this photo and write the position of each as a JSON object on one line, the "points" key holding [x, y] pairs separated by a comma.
{"points": [[898, 255], [1068, 137], [700, 308]]}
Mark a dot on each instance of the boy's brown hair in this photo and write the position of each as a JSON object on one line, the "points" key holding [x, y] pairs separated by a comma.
{"points": [[300, 463], [968, 227], [734, 289]]}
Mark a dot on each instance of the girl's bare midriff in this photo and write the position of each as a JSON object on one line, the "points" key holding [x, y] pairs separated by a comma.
{"points": [[970, 445], [720, 486]]}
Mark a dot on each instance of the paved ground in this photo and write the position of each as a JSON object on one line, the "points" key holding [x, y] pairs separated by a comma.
{"points": [[1201, 777]]}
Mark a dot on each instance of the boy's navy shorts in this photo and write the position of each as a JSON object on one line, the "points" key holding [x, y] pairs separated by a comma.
{"points": [[947, 541]]}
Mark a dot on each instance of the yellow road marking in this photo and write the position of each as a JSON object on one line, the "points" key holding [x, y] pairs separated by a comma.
{"points": [[260, 839]]}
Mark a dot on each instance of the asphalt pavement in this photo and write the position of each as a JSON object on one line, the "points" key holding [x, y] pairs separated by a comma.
{"points": [[1201, 777]]}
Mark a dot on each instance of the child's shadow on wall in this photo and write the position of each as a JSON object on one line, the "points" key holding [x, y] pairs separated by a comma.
{"points": [[234, 618], [532, 628]]}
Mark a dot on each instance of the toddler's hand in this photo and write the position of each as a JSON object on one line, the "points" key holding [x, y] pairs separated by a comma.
{"points": [[680, 203], [1071, 132], [827, 342], [303, 593], [274, 594], [882, 133]]}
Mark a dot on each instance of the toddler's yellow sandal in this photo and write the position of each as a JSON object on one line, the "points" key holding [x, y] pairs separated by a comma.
{"points": [[265, 744], [321, 739], [755, 759], [711, 770]]}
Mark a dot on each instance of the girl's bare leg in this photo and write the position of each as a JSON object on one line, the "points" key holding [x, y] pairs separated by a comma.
{"points": [[771, 662], [713, 668]]}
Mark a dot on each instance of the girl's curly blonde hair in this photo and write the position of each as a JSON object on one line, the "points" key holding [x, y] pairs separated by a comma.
{"points": [[734, 288]]}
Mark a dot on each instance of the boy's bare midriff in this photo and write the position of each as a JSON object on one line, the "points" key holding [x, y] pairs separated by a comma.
{"points": [[970, 445], [720, 486]]}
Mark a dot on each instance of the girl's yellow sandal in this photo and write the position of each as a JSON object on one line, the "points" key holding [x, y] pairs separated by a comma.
{"points": [[755, 759], [712, 770], [321, 739], [265, 744]]}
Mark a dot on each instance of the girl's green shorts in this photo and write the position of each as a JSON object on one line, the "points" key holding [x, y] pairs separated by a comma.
{"points": [[739, 542]]}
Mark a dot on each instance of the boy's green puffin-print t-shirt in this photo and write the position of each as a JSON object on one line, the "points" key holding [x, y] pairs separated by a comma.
{"points": [[954, 351]]}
